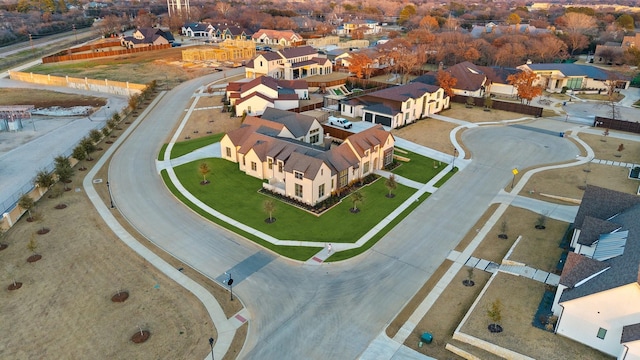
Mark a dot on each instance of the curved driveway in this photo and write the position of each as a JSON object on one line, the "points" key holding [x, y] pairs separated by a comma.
{"points": [[330, 311]]}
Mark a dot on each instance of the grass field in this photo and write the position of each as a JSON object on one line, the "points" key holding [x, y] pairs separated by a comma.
{"points": [[236, 195], [164, 66]]}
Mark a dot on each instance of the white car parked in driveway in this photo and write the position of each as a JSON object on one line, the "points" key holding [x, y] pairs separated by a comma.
{"points": [[342, 122]]}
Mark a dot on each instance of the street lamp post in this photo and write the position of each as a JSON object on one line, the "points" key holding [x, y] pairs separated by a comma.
{"points": [[110, 198], [211, 340]]}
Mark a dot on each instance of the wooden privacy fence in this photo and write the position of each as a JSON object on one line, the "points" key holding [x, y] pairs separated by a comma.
{"points": [[308, 107], [94, 51], [502, 105], [614, 124]]}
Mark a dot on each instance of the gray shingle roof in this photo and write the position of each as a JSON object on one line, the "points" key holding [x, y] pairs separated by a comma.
{"points": [[298, 124], [623, 268], [592, 228], [298, 51], [603, 203], [630, 333], [404, 92]]}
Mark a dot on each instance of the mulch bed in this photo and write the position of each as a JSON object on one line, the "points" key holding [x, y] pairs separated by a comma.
{"points": [[43, 231], [205, 182], [122, 296], [34, 258], [14, 286], [3, 246], [354, 211], [270, 220], [140, 337], [60, 206]]}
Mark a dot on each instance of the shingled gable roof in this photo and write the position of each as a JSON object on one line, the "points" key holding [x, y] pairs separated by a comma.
{"points": [[624, 268], [630, 333], [309, 166], [267, 81], [298, 124], [592, 228], [404, 92], [578, 267], [469, 76], [252, 95], [577, 70], [293, 84], [603, 203], [294, 52], [368, 139], [270, 56], [340, 158], [279, 34]]}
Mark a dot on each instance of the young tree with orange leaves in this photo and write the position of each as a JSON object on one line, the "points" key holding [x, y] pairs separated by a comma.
{"points": [[523, 82], [360, 65], [446, 82]]}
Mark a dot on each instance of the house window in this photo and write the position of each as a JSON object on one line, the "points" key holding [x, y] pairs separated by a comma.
{"points": [[298, 190], [602, 333], [280, 165], [270, 164], [343, 178], [314, 138], [388, 157], [321, 191], [365, 168], [228, 152], [260, 63], [298, 175], [254, 166], [244, 162]]}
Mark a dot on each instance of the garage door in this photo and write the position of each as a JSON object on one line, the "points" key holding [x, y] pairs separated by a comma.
{"points": [[368, 117], [384, 120]]}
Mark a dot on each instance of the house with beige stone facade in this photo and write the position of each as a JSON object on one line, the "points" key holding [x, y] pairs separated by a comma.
{"points": [[289, 151]]}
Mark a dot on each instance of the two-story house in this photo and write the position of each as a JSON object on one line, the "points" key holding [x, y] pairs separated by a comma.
{"points": [[255, 96], [145, 37], [283, 149], [397, 106], [289, 64], [197, 30], [598, 298]]}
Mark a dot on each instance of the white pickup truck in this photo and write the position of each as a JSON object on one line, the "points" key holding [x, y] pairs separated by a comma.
{"points": [[342, 122]]}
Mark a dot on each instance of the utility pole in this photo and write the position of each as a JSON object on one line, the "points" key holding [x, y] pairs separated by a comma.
{"points": [[75, 33], [31, 42]]}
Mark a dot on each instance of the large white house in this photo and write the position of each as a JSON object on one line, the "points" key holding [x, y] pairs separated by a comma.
{"points": [[284, 148], [397, 106], [253, 97], [289, 64], [598, 299]]}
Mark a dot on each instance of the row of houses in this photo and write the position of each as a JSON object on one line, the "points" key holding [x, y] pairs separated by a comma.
{"points": [[290, 151]]}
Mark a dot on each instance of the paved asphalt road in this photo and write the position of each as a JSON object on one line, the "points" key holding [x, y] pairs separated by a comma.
{"points": [[329, 311]]}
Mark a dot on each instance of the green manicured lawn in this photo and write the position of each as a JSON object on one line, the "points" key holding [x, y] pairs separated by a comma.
{"points": [[236, 195], [185, 147], [347, 254], [446, 178], [293, 252], [419, 169]]}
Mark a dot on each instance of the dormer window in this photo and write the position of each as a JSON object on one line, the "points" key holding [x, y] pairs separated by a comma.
{"points": [[298, 175]]}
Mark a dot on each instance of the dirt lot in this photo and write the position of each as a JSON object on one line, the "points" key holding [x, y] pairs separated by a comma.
{"points": [[67, 293], [46, 98], [165, 66]]}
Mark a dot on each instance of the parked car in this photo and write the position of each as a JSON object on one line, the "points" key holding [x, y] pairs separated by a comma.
{"points": [[175, 44], [342, 122]]}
